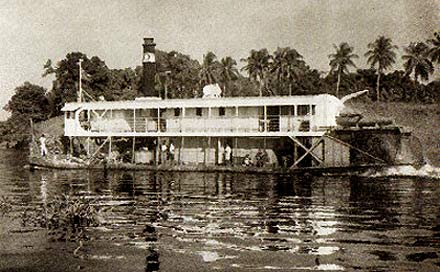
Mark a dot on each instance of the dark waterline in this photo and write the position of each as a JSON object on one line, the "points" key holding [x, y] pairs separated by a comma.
{"points": [[237, 222]]}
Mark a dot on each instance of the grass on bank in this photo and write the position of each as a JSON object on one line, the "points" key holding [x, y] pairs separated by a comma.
{"points": [[423, 120]]}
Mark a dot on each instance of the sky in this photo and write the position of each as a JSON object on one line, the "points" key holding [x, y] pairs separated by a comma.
{"points": [[33, 31]]}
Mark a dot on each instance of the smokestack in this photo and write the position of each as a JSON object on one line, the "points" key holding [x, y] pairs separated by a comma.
{"points": [[149, 69]]}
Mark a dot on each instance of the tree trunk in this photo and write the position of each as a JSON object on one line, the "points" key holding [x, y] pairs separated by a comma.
{"points": [[261, 89], [415, 93], [337, 84], [378, 86]]}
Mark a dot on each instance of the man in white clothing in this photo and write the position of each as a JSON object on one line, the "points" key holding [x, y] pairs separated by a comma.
{"points": [[43, 147]]}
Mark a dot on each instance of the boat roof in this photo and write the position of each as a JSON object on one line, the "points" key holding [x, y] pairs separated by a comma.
{"points": [[155, 102]]}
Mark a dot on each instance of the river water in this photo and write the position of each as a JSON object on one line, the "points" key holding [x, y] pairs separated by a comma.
{"points": [[230, 222]]}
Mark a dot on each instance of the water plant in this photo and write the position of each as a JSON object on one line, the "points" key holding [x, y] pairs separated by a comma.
{"points": [[5, 205], [66, 218]]}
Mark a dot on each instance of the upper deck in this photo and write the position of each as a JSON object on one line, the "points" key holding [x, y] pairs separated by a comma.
{"points": [[234, 116]]}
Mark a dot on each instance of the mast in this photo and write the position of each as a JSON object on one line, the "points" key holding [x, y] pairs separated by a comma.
{"points": [[80, 79]]}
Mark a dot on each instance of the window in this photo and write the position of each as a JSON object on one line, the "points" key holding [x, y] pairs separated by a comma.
{"points": [[177, 112], [303, 110], [199, 111], [313, 109], [287, 110], [221, 111]]}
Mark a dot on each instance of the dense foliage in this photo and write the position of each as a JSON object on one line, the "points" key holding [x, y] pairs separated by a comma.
{"points": [[282, 72]]}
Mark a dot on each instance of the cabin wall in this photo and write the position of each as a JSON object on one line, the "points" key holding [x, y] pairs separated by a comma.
{"points": [[335, 154], [193, 150]]}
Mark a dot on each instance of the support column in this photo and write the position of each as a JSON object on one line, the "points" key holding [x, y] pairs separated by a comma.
{"points": [[209, 149], [88, 146], [265, 118], [234, 152], [133, 150], [70, 146], [204, 152], [156, 159], [158, 120], [89, 126], [182, 143], [134, 120], [236, 119], [110, 148], [219, 152]]}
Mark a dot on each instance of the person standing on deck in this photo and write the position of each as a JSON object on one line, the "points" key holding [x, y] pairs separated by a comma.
{"points": [[228, 153], [163, 152], [43, 147], [171, 150]]}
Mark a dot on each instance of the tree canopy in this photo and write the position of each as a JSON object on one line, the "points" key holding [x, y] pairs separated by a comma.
{"points": [[341, 60], [381, 53], [282, 72]]}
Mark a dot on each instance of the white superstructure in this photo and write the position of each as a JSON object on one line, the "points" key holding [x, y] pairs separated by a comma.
{"points": [[308, 115]]}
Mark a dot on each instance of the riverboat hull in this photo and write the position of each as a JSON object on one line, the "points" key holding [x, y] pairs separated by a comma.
{"points": [[41, 163]]}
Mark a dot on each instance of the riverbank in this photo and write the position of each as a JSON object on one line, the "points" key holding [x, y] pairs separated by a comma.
{"points": [[422, 120]]}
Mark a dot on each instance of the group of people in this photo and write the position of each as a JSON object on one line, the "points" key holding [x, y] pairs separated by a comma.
{"points": [[167, 152], [261, 158]]}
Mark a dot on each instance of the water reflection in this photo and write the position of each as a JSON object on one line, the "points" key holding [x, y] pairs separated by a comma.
{"points": [[373, 200], [242, 222]]}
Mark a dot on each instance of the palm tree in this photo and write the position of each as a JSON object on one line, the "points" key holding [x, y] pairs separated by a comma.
{"points": [[288, 66], [417, 61], [207, 74], [434, 51], [228, 72], [381, 52], [257, 66], [340, 61]]}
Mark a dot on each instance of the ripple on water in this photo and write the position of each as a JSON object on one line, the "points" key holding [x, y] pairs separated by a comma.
{"points": [[254, 222]]}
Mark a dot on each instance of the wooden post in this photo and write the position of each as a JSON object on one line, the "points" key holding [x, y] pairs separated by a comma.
{"points": [[209, 148], [234, 152], [206, 147], [219, 152], [134, 120], [236, 119], [110, 148], [204, 152], [158, 120], [70, 146], [182, 143], [156, 159], [265, 118], [88, 146], [133, 150]]}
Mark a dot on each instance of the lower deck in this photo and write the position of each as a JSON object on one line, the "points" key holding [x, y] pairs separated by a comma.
{"points": [[337, 148]]}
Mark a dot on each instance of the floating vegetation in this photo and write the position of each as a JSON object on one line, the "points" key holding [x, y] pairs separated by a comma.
{"points": [[5, 205], [65, 218]]}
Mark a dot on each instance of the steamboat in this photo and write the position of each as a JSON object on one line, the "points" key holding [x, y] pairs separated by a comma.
{"points": [[263, 134]]}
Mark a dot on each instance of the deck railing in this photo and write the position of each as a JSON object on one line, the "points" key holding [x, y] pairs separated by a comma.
{"points": [[201, 124]]}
